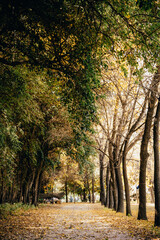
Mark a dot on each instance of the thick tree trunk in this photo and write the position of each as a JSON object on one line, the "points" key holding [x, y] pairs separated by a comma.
{"points": [[118, 174], [25, 194], [15, 196], [36, 184], [156, 165], [114, 186], [120, 206], [21, 193], [26, 186], [30, 187], [84, 195], [144, 149]]}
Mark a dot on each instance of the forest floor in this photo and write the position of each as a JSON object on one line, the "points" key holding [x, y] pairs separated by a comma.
{"points": [[77, 222]]}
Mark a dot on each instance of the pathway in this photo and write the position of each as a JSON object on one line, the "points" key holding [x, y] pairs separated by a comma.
{"points": [[82, 221], [65, 221]]}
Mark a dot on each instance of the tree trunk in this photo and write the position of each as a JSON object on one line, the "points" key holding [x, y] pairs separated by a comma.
{"points": [[36, 184], [156, 165], [89, 191], [114, 186], [25, 194], [120, 206], [132, 129], [107, 186], [30, 187], [1, 187], [101, 162], [144, 149], [126, 184], [102, 192], [66, 190], [93, 197], [118, 175], [84, 195], [26, 186], [111, 199], [74, 199]]}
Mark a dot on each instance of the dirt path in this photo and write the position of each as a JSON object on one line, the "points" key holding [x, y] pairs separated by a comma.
{"points": [[66, 221]]}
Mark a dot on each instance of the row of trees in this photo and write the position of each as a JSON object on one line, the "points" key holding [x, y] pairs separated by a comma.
{"points": [[126, 116], [57, 59], [74, 180], [47, 102]]}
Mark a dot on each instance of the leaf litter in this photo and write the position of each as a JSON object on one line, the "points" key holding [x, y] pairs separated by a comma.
{"points": [[76, 222]]}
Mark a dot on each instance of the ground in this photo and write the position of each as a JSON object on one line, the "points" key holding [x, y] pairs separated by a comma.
{"points": [[75, 222]]}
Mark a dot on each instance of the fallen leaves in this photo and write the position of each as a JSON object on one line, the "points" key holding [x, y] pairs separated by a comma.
{"points": [[75, 221]]}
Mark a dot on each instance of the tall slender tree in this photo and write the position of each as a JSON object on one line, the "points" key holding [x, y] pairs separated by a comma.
{"points": [[144, 147], [157, 162]]}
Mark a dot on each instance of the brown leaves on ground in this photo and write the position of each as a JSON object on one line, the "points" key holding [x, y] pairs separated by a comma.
{"points": [[141, 228], [76, 221]]}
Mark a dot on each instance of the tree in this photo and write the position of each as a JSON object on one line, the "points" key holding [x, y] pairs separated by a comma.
{"points": [[156, 163], [144, 147], [63, 40], [121, 112]]}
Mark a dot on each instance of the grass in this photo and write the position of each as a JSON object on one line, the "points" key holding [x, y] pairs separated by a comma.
{"points": [[7, 209]]}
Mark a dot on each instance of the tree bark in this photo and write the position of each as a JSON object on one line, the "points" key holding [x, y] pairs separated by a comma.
{"points": [[93, 197], [156, 165], [66, 190], [89, 191], [30, 187], [126, 184], [36, 184], [102, 192], [107, 186], [84, 195], [101, 162], [111, 200], [144, 148], [120, 205], [114, 186], [125, 151], [113, 177], [118, 175]]}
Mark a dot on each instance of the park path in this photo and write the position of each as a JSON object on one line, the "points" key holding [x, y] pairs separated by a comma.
{"points": [[83, 221], [77, 221]]}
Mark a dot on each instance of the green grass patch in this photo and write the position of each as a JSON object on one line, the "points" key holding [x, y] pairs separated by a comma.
{"points": [[8, 209]]}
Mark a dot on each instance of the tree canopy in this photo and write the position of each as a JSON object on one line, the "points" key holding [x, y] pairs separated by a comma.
{"points": [[57, 58]]}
